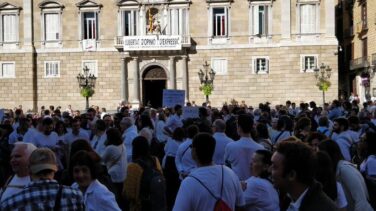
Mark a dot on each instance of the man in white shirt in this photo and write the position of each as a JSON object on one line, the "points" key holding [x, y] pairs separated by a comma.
{"points": [[219, 127], [129, 131], [100, 137], [183, 159], [293, 170], [342, 137], [174, 121], [209, 182], [76, 133], [238, 154], [47, 137], [20, 166]]}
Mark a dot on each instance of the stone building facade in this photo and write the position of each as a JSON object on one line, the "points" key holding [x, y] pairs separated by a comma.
{"points": [[363, 64], [260, 50]]}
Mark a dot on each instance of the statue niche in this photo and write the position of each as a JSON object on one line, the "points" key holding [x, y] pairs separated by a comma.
{"points": [[153, 21]]}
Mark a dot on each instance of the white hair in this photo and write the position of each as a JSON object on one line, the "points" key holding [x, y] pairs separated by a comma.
{"points": [[29, 148], [147, 133]]}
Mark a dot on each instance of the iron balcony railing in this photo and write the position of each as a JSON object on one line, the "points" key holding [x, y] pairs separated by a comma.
{"points": [[358, 63]]}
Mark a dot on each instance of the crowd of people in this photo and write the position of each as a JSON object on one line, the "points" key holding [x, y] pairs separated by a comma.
{"points": [[237, 157]]}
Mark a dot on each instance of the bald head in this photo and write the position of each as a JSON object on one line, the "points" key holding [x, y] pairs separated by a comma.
{"points": [[26, 148], [219, 126], [20, 158], [127, 122]]}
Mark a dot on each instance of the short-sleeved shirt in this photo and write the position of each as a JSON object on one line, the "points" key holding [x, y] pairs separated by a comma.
{"points": [[260, 195], [41, 195], [192, 196]]}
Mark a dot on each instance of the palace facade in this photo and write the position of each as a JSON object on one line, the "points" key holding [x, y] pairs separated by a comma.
{"points": [[264, 50]]}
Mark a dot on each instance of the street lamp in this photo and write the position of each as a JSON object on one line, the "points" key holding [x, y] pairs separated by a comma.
{"points": [[322, 76], [86, 81], [206, 80]]}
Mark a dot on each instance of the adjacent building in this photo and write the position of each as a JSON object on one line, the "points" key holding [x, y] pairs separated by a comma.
{"points": [[264, 50], [357, 35]]}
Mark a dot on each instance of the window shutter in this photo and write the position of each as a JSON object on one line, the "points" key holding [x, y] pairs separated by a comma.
{"points": [[266, 20], [312, 16], [266, 65], [9, 28], [184, 22], [256, 20], [51, 26]]}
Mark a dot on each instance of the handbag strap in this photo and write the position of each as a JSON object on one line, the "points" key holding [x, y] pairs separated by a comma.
{"points": [[211, 193], [58, 198]]}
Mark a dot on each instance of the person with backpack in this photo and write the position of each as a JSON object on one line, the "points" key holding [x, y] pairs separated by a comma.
{"points": [[144, 187], [209, 186]]}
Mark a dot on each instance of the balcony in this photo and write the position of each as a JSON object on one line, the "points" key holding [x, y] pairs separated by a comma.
{"points": [[374, 59], [359, 63], [152, 42]]}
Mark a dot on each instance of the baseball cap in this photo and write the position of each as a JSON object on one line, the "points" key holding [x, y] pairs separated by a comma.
{"points": [[42, 159]]}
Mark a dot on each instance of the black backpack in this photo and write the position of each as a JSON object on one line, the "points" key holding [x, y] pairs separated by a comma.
{"points": [[152, 188]]}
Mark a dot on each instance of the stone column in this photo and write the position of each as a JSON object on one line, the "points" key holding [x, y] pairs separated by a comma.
{"points": [[185, 76], [124, 80], [136, 82], [172, 78]]}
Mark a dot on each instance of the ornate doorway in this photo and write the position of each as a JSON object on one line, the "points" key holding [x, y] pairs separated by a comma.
{"points": [[154, 81]]}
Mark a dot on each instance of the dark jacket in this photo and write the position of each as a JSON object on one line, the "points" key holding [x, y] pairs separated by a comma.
{"points": [[315, 199]]}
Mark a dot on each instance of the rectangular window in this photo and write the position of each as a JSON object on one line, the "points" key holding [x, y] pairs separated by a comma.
{"points": [[365, 48], [219, 65], [129, 23], [9, 26], [308, 63], [52, 68], [51, 26], [260, 20], [261, 65], [220, 22], [307, 18], [7, 70], [92, 65], [90, 26]]}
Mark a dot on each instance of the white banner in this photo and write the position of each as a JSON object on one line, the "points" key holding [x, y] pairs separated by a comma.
{"points": [[152, 42]]}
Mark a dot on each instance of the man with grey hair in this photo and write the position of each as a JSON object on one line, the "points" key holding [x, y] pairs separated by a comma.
{"points": [[129, 130], [221, 139], [43, 192], [20, 166]]}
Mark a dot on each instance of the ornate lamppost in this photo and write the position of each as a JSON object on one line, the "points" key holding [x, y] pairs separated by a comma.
{"points": [[206, 80], [86, 81], [322, 76]]}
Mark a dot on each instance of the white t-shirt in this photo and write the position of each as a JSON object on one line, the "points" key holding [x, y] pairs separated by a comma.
{"points": [[193, 196], [174, 122], [239, 154], [15, 186], [221, 141], [170, 149], [159, 131], [341, 201], [42, 140], [369, 166], [183, 160], [260, 195], [82, 134]]}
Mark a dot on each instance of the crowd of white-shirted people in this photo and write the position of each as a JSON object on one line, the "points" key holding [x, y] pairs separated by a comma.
{"points": [[236, 157]]}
